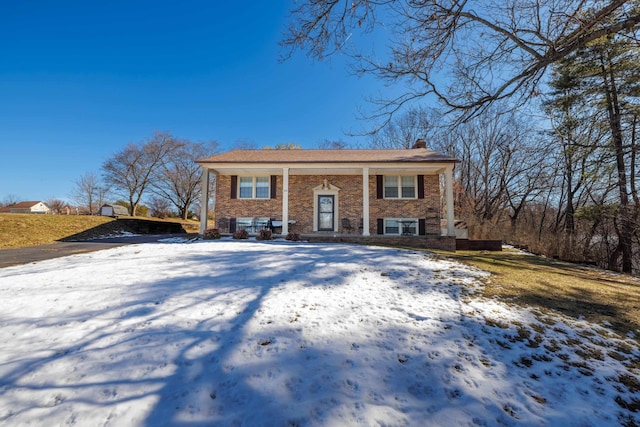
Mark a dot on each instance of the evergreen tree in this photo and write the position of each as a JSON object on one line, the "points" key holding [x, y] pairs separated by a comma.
{"points": [[603, 78]]}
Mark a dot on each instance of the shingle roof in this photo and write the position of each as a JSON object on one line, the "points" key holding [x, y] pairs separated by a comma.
{"points": [[328, 156], [24, 205]]}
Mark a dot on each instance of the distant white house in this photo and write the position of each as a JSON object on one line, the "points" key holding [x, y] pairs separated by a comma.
{"points": [[34, 207], [113, 210]]}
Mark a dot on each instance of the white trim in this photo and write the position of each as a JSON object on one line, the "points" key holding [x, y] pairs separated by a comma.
{"points": [[285, 201], [365, 202], [448, 183], [204, 199]]}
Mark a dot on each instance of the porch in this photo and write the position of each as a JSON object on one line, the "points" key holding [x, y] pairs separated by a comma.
{"points": [[445, 243]]}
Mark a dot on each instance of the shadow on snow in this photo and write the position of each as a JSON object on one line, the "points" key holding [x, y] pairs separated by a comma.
{"points": [[206, 345]]}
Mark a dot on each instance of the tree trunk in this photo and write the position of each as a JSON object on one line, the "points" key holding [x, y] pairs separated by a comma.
{"points": [[625, 232]]}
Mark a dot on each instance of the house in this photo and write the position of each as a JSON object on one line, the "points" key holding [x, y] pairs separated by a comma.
{"points": [[28, 208], [366, 193], [113, 210]]}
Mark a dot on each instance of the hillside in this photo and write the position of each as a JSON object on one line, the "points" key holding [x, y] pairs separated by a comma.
{"points": [[545, 284], [19, 230]]}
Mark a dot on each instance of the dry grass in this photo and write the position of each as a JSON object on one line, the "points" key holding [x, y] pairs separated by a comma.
{"points": [[20, 230], [545, 284]]}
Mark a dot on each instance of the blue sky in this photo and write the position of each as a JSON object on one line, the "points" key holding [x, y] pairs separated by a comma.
{"points": [[81, 79]]}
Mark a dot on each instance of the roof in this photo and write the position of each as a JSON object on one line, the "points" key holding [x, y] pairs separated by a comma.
{"points": [[25, 205], [116, 208], [420, 155]]}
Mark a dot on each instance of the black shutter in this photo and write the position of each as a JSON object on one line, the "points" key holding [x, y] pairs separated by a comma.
{"points": [[274, 182], [234, 187], [420, 186], [232, 225], [421, 227], [379, 187], [380, 225]]}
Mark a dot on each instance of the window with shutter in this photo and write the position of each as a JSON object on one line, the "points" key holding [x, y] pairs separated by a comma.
{"points": [[399, 187], [252, 187]]}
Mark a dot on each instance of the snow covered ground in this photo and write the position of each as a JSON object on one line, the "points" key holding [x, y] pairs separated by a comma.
{"points": [[245, 333]]}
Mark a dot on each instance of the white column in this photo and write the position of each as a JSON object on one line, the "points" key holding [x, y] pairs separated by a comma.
{"points": [[448, 184], [285, 201], [204, 199], [365, 201]]}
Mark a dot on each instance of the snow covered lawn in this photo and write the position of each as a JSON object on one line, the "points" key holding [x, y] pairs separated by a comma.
{"points": [[292, 334]]}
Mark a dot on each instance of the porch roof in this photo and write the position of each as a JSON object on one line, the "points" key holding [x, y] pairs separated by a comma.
{"points": [[327, 156], [328, 161]]}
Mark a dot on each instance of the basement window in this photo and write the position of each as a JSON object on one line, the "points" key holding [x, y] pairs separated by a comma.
{"points": [[401, 226]]}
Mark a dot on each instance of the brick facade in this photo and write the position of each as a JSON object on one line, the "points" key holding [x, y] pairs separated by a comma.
{"points": [[349, 203], [411, 208], [235, 208]]}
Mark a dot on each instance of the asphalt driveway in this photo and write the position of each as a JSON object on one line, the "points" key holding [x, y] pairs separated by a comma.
{"points": [[26, 255]]}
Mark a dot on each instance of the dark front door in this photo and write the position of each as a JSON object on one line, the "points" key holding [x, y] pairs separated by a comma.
{"points": [[325, 213]]}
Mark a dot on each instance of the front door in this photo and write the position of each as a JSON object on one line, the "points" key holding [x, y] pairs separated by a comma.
{"points": [[325, 213]]}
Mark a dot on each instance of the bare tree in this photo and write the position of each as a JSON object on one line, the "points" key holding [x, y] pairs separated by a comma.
{"points": [[178, 176], [9, 200], [89, 193], [468, 54], [403, 130], [132, 170], [159, 207], [604, 77], [337, 144], [502, 168], [283, 146], [57, 206], [245, 144]]}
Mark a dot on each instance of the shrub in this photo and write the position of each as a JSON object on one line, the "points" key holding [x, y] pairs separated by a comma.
{"points": [[264, 235], [212, 233], [240, 234], [294, 237]]}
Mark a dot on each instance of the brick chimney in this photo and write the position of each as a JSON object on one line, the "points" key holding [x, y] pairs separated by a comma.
{"points": [[420, 143]]}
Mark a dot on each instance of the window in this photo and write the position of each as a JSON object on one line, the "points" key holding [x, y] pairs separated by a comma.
{"points": [[399, 187], [262, 187], [401, 226], [253, 187], [391, 226], [391, 186]]}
